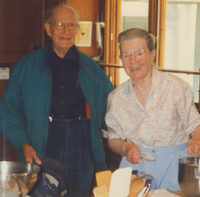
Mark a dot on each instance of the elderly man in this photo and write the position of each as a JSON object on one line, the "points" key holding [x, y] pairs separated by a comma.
{"points": [[55, 102]]}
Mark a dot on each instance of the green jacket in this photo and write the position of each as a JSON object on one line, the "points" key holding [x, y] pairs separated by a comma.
{"points": [[25, 105]]}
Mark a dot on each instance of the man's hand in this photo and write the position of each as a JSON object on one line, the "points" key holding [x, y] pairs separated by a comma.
{"points": [[30, 154]]}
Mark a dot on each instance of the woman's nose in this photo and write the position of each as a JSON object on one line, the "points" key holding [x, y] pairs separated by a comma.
{"points": [[132, 58]]}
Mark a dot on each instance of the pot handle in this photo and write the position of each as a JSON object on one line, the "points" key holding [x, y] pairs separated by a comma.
{"points": [[40, 174], [197, 172]]}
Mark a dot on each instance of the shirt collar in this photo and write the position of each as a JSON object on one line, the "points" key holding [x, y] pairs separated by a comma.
{"points": [[156, 79], [71, 55]]}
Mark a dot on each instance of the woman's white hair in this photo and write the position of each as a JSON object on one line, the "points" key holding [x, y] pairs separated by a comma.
{"points": [[137, 33]]}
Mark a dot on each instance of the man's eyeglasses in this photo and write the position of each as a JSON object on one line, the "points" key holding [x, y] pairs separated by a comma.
{"points": [[61, 26], [137, 54]]}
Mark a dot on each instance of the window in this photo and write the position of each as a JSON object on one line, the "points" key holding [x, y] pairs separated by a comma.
{"points": [[182, 43], [135, 14]]}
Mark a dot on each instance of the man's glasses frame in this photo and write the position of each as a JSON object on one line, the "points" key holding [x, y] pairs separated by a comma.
{"points": [[61, 26]]}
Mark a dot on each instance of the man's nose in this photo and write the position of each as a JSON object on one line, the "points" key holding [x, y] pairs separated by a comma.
{"points": [[66, 28]]}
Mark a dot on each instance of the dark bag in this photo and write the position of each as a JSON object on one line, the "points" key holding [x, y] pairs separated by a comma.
{"points": [[51, 180]]}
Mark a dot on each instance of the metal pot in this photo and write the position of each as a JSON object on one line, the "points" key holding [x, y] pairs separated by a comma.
{"points": [[189, 176], [17, 178]]}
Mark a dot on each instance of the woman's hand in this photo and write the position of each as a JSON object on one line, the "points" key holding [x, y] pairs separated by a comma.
{"points": [[194, 145], [132, 153], [124, 148], [30, 154]]}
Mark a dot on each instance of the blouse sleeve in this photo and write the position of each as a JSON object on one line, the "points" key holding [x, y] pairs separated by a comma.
{"points": [[114, 128], [187, 110]]}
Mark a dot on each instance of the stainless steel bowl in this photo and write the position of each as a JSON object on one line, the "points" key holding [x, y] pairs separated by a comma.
{"points": [[189, 176], [17, 178]]}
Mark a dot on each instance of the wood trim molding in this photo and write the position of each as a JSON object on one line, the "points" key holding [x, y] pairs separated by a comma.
{"points": [[107, 32], [153, 16], [112, 30], [161, 34]]}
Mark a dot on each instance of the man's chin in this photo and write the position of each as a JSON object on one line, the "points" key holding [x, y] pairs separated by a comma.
{"points": [[66, 46]]}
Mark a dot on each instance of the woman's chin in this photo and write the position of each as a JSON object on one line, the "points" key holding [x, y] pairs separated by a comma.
{"points": [[136, 75]]}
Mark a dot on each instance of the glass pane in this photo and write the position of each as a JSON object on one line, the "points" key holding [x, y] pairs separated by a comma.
{"points": [[182, 39], [134, 14]]}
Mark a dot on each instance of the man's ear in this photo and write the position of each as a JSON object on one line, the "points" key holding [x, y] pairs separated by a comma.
{"points": [[48, 29]]}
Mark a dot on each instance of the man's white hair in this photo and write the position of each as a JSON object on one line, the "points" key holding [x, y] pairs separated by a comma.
{"points": [[50, 13]]}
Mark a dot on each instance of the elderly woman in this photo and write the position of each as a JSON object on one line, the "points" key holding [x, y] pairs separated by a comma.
{"points": [[151, 114]]}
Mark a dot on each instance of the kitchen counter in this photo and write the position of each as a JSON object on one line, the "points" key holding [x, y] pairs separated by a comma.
{"points": [[164, 193]]}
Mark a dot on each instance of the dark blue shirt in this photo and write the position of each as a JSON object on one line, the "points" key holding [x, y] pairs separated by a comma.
{"points": [[67, 98]]}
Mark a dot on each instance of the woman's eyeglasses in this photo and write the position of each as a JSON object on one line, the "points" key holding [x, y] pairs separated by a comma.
{"points": [[137, 54]]}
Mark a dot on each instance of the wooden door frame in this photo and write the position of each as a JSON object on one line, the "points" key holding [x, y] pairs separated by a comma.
{"points": [[112, 30], [161, 33]]}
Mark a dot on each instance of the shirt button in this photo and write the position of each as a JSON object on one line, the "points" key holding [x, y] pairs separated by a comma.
{"points": [[62, 101]]}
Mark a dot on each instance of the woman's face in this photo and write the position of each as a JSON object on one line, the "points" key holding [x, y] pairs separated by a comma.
{"points": [[136, 58]]}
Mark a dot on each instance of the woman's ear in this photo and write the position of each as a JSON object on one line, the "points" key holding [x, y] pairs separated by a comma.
{"points": [[48, 29], [153, 55]]}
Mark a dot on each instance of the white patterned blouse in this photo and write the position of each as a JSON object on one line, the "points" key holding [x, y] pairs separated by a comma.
{"points": [[169, 115]]}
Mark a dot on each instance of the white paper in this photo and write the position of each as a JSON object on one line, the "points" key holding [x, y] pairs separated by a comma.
{"points": [[120, 182], [4, 73]]}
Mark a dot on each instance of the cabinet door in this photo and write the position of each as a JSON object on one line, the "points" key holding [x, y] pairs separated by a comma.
{"points": [[21, 28]]}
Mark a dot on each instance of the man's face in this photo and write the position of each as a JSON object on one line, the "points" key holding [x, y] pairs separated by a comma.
{"points": [[62, 29]]}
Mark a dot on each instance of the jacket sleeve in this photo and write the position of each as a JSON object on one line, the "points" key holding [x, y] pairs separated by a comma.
{"points": [[106, 87], [96, 87], [12, 117]]}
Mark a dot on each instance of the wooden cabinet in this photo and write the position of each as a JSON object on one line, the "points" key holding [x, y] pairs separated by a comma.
{"points": [[88, 11], [21, 28]]}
